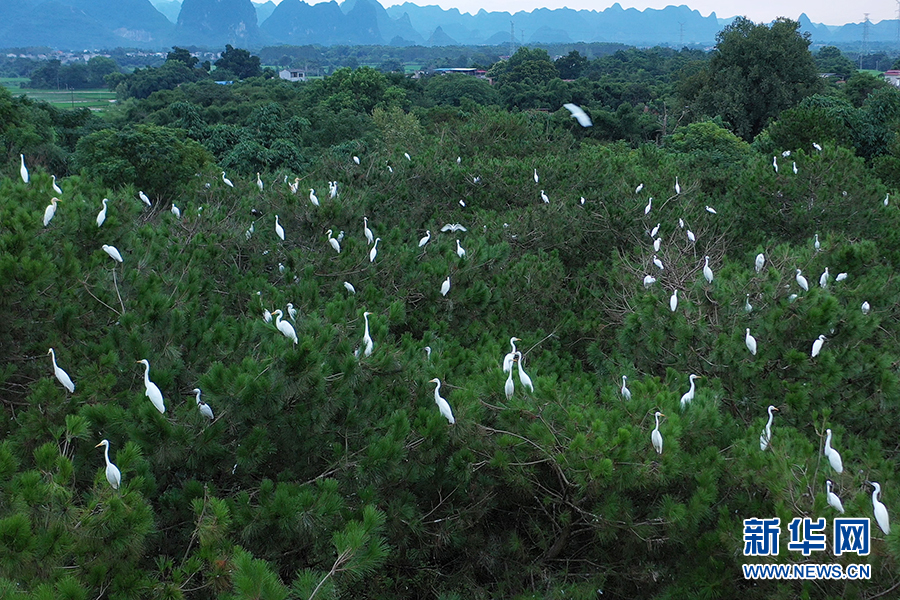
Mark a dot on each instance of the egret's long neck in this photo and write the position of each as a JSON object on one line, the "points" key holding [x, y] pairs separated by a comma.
{"points": [[53, 358], [875, 494], [147, 374], [106, 453], [366, 318], [437, 390], [771, 418], [657, 423], [828, 441]]}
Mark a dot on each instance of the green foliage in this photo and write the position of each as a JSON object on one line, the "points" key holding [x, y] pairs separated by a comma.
{"points": [[237, 63]]}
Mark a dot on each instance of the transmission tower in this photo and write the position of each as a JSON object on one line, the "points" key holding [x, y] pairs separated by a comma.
{"points": [[865, 42], [681, 33], [898, 23]]}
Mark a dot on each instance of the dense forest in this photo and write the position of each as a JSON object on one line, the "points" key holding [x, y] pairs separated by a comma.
{"points": [[433, 338]]}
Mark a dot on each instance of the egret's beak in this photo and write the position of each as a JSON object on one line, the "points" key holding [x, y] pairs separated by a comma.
{"points": [[98, 445]]}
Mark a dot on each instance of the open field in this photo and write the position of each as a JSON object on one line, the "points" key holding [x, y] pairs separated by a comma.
{"points": [[96, 99]]}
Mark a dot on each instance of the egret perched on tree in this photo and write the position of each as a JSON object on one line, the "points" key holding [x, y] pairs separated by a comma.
{"points": [[367, 232], [50, 210], [801, 281], [638, 189], [56, 188], [510, 357], [833, 456], [425, 238], [22, 170], [747, 306], [374, 251], [61, 375], [655, 230], [881, 513], [887, 199], [285, 327], [334, 243], [332, 189], [544, 197], [113, 475], [690, 236], [775, 163], [707, 272], [267, 316], [688, 396], [175, 211], [751, 342], [101, 216], [144, 198], [150, 389], [626, 393], [865, 308], [295, 187], [259, 182], [794, 165], [524, 379], [833, 500], [205, 410], [313, 198], [279, 230], [673, 301], [349, 287], [460, 251], [677, 187], [681, 223], [649, 206], [578, 114], [656, 436], [113, 252], [509, 388], [823, 279], [368, 344], [765, 438], [840, 277], [658, 262], [226, 180], [649, 280], [356, 159], [407, 156], [817, 346], [656, 244], [442, 404], [536, 178], [816, 243], [760, 262], [710, 210], [445, 287]]}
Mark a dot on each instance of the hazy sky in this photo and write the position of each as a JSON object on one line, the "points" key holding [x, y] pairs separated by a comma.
{"points": [[830, 12]]}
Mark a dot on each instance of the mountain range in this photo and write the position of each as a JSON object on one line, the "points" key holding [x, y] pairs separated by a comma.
{"points": [[159, 24]]}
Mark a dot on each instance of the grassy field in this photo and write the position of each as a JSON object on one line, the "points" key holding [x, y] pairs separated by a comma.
{"points": [[94, 99]]}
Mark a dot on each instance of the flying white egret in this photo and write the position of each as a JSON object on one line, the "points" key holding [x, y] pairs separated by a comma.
{"points": [[833, 456], [747, 306], [765, 438], [658, 262], [50, 210], [688, 396], [794, 165], [101, 216], [881, 513], [626, 393], [511, 356], [334, 243], [544, 197], [655, 230], [656, 244], [865, 308], [442, 404], [259, 182], [840, 277], [536, 178], [673, 301], [707, 272], [150, 389], [23, 171], [524, 379], [649, 280], [226, 180], [176, 211], [445, 287], [751, 342], [113, 252], [349, 287], [578, 114], [833, 500], [638, 189], [690, 236], [823, 279], [61, 375], [367, 339], [453, 227], [677, 187], [374, 251], [509, 388], [817, 346], [113, 475], [285, 327], [656, 436], [205, 410], [425, 238], [279, 230], [367, 232], [710, 209], [460, 251], [816, 243], [313, 198], [356, 159], [760, 262], [801, 281], [55, 187]]}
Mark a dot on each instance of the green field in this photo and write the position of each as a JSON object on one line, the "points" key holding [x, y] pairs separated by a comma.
{"points": [[94, 99]]}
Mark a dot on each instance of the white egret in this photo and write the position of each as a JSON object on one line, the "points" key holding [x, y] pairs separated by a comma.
{"points": [[427, 352], [374, 251], [833, 456], [823, 279], [656, 244], [638, 189], [691, 236], [747, 306], [673, 301], [226, 180], [760, 262], [334, 243], [367, 339], [509, 387], [649, 280], [626, 393], [249, 233], [442, 404], [349, 287], [144, 198], [786, 153], [511, 356], [453, 227], [205, 410], [281, 268], [113, 252], [267, 316], [710, 209], [460, 251], [816, 243], [655, 230], [536, 178], [101, 216], [259, 182], [367, 232], [279, 230], [865, 308], [524, 379], [295, 186], [356, 159], [150, 389], [817, 346], [544, 197], [23, 171], [881, 513], [459, 160], [677, 187], [425, 238], [775, 163], [578, 114], [292, 312], [175, 211], [794, 165], [61, 375], [792, 297], [751, 342], [887, 198], [463, 202], [332, 189], [582, 200], [707, 272], [445, 287], [56, 188], [649, 206], [681, 223], [801, 281], [765, 438], [688, 396], [113, 475], [656, 436], [406, 154], [833, 500], [658, 262], [285, 327], [50, 210], [840, 277], [313, 198]]}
